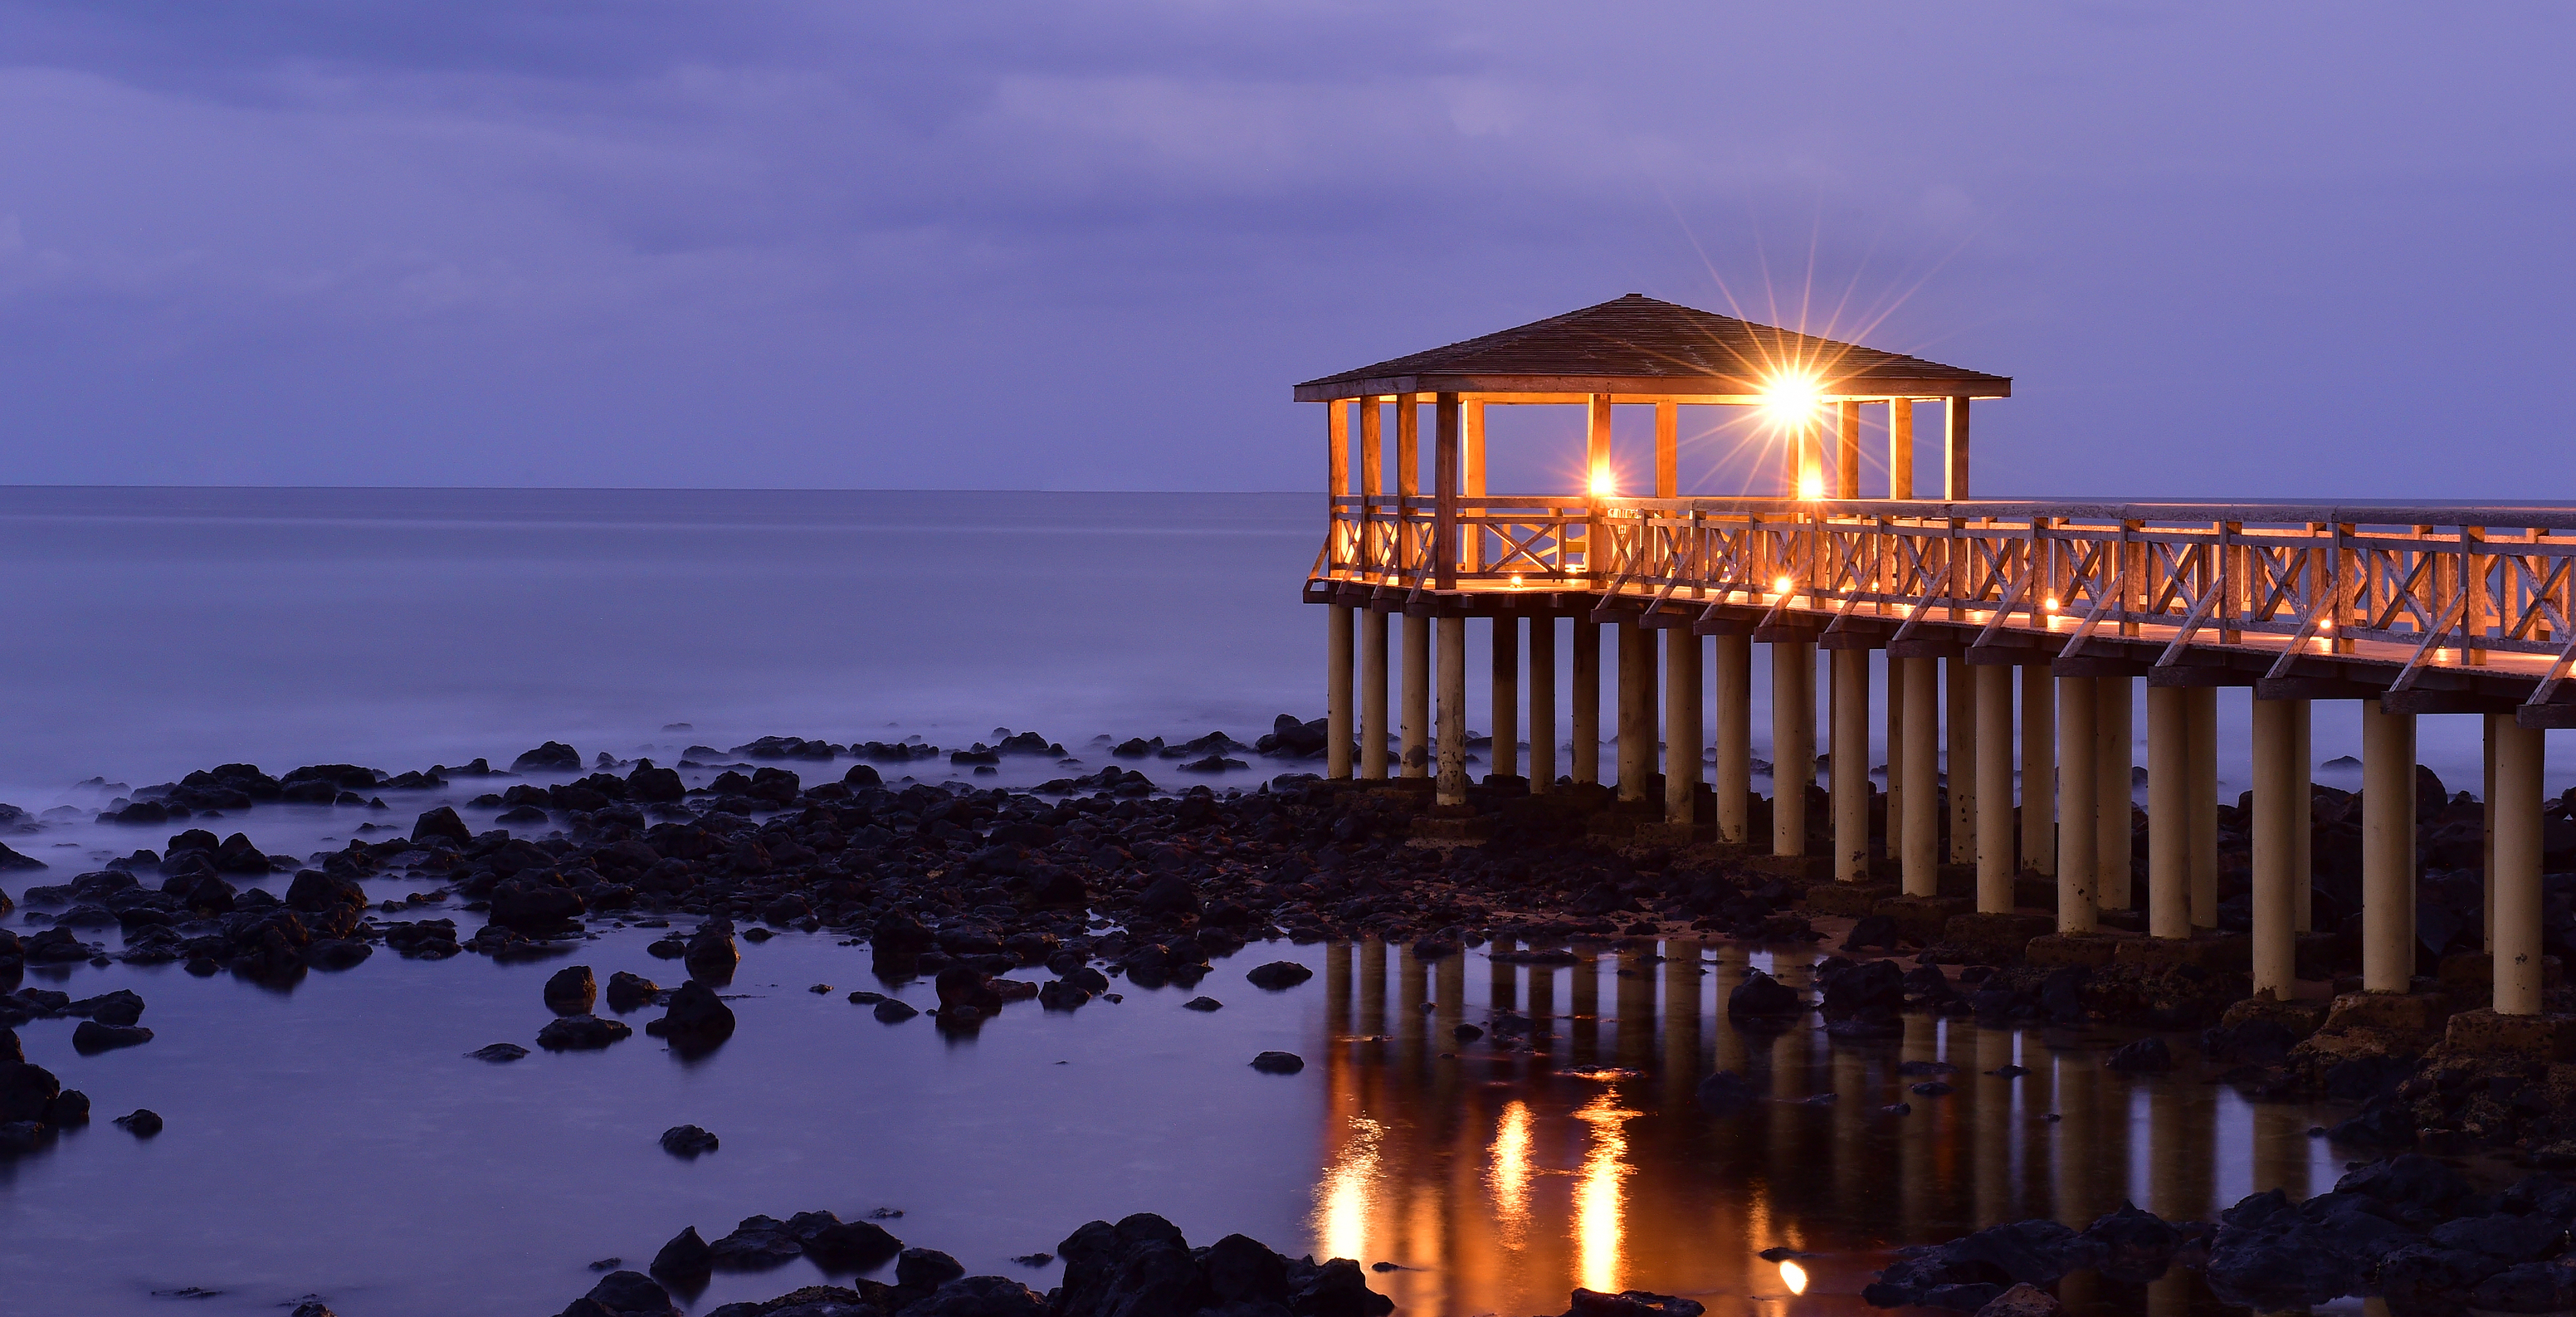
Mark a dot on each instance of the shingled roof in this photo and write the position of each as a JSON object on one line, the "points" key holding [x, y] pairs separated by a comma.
{"points": [[1638, 345]]}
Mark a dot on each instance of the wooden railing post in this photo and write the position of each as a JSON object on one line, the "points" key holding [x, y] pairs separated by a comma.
{"points": [[1408, 481], [1444, 513], [1372, 484]]}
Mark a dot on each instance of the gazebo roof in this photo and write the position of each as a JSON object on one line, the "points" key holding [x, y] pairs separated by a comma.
{"points": [[1637, 345]]}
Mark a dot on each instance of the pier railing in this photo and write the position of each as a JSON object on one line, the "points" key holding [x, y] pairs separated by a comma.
{"points": [[2428, 586]]}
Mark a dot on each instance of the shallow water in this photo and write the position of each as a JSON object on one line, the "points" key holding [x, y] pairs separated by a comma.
{"points": [[334, 1139]]}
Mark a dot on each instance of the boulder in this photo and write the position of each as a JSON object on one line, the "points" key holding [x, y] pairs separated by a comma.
{"points": [[687, 1141], [627, 992], [839, 1245], [580, 1033], [685, 1261], [624, 1294], [1631, 1303], [980, 1296], [572, 991], [1278, 975], [553, 756], [1278, 1063], [142, 1122], [756, 1244], [2023, 1301], [1762, 996], [695, 1017], [442, 822], [92, 1037]]}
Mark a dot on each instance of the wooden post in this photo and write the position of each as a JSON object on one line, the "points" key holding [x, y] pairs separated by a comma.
{"points": [[1954, 451], [2203, 804], [2114, 852], [1597, 476], [1339, 646], [1445, 470], [1636, 709], [1668, 444], [1920, 862], [2303, 762], [1793, 742], [1506, 684], [2486, 843], [1414, 722], [1337, 475], [2276, 814], [1408, 481], [1847, 450], [1994, 789], [2387, 849], [2168, 811], [1733, 787], [2038, 771], [1900, 448], [2519, 761], [1960, 694], [1850, 691], [1373, 727], [1542, 703], [1372, 487], [2078, 840], [1450, 786], [1587, 700], [1895, 838], [1472, 478], [1682, 736]]}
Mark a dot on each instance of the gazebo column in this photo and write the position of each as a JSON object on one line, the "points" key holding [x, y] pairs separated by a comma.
{"points": [[1895, 827], [1850, 689], [2078, 840], [2202, 802], [1847, 450], [2303, 865], [2387, 849], [1542, 703], [1733, 784], [1415, 727], [1373, 729], [1506, 680], [1919, 864], [1959, 692], [1450, 785], [1587, 699], [1793, 742], [2519, 753], [2112, 808], [1995, 824], [1339, 649], [1636, 709], [2168, 822], [2279, 810], [1681, 728], [2038, 771]]}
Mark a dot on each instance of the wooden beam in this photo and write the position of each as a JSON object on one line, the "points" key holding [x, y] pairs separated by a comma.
{"points": [[1444, 525], [1337, 449], [1641, 387], [1847, 450], [1954, 450], [1900, 448], [1668, 480], [1472, 441], [1408, 447], [1372, 452]]}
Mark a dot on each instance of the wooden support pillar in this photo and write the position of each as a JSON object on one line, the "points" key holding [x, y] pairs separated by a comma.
{"points": [[1449, 786], [1959, 692], [1682, 737], [1636, 710], [1372, 488], [2078, 840], [2519, 758], [1542, 704], [1793, 742], [1668, 450], [1900, 448], [1850, 689], [1847, 450], [1444, 488], [1733, 779], [1994, 789], [1586, 693], [1896, 759], [1471, 481], [2168, 812], [2277, 813], [2113, 850], [1599, 478], [1919, 864], [1373, 728], [2038, 771], [1340, 648], [1954, 451], [2202, 801], [2387, 849], [1506, 685], [1414, 722], [2303, 762], [2486, 837]]}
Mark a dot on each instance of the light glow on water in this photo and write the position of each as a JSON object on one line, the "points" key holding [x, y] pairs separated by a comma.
{"points": [[1346, 1197], [1599, 1196], [1509, 1176]]}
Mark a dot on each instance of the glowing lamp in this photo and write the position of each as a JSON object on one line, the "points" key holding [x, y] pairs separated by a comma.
{"points": [[1811, 486], [1793, 1276], [1792, 398], [2051, 605], [2326, 627], [1516, 579], [1603, 485], [1781, 585]]}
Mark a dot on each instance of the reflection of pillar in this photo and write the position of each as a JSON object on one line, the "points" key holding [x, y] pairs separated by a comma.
{"points": [[1542, 1007], [1450, 999], [1850, 668], [1411, 992], [1733, 787], [1793, 742], [1506, 687], [1373, 736], [2281, 1147], [1372, 987], [2387, 849], [2276, 814], [1918, 1140], [1995, 823], [2202, 802], [2076, 1165], [1680, 1021], [1919, 862], [1503, 993], [1733, 963], [1960, 692], [2519, 751], [1991, 1117], [1584, 1004], [1681, 726], [1337, 989], [1542, 704], [1856, 1165], [2168, 818], [1414, 720], [2167, 1152], [2112, 850], [2078, 841], [2038, 771], [1636, 1027]]}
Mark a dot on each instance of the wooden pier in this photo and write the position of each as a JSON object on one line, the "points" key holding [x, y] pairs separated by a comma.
{"points": [[2408, 611]]}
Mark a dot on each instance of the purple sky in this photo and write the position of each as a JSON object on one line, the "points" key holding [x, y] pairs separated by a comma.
{"points": [[2261, 250]]}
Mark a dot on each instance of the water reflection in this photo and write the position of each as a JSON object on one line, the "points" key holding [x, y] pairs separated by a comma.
{"points": [[1499, 1173]]}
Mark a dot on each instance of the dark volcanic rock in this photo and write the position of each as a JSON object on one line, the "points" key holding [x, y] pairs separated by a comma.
{"points": [[624, 1294], [572, 991], [442, 822], [498, 1052], [1278, 1063], [1761, 996], [980, 1296], [553, 756], [839, 1245], [685, 1261], [142, 1122], [92, 1037], [756, 1244], [695, 1018], [687, 1141], [1631, 1303], [1278, 974], [1143, 1265], [628, 992], [580, 1033]]}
